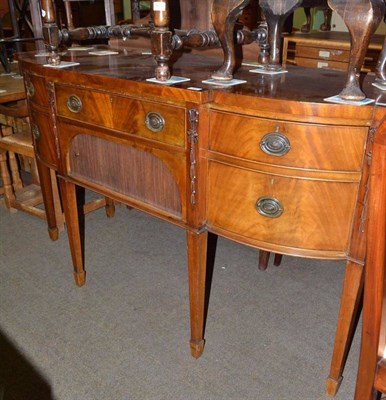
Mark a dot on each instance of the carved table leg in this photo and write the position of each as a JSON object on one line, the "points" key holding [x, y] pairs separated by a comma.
{"points": [[197, 244], [362, 18], [224, 16], [347, 320], [48, 199], [68, 191], [276, 12]]}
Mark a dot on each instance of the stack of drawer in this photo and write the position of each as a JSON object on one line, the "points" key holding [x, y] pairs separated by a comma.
{"points": [[288, 187]]}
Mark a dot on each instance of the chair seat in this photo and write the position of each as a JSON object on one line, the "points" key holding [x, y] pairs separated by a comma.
{"points": [[20, 143]]}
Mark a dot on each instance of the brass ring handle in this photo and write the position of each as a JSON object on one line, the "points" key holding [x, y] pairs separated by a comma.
{"points": [[74, 103], [154, 121], [275, 144], [35, 131], [269, 207], [30, 89]]}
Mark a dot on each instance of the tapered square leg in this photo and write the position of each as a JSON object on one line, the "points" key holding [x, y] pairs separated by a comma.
{"points": [[347, 321], [197, 244], [70, 205]]}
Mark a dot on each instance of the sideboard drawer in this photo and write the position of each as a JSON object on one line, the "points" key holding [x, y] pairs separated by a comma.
{"points": [[44, 139], [322, 147], [36, 90], [292, 212], [155, 121]]}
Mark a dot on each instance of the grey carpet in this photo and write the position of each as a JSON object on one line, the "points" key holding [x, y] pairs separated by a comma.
{"points": [[125, 334]]}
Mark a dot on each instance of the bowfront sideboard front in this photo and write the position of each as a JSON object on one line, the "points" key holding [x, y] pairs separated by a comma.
{"points": [[267, 163]]}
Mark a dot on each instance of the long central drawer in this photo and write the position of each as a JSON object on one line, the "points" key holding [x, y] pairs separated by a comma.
{"points": [[124, 114]]}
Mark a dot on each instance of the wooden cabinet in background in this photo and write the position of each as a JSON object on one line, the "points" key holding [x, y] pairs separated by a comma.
{"points": [[326, 50]]}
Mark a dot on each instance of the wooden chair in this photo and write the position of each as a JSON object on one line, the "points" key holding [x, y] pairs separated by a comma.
{"points": [[15, 142]]}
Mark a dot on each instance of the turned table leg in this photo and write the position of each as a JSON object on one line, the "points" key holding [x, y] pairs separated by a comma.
{"points": [[70, 206], [197, 244]]}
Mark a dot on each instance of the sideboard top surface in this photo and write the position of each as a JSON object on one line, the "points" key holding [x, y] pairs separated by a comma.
{"points": [[126, 73]]}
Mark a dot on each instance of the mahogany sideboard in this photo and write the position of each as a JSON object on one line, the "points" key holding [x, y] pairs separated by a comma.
{"points": [[267, 163]]}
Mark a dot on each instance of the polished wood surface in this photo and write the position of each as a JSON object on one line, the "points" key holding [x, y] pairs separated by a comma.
{"points": [[205, 169]]}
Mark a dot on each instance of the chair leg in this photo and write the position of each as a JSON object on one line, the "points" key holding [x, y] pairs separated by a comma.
{"points": [[14, 167], [9, 196], [350, 307], [12, 161]]}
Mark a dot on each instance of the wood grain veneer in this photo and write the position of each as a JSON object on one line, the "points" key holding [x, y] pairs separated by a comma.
{"points": [[313, 146], [126, 170]]}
